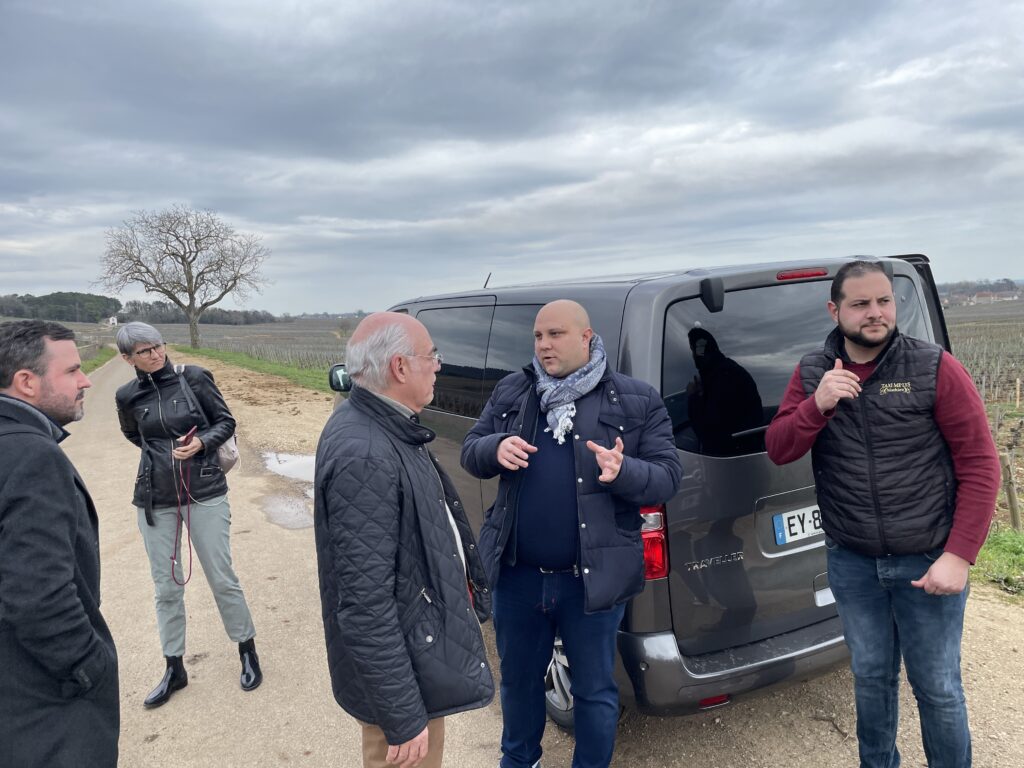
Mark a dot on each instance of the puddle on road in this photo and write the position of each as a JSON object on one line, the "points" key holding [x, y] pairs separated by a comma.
{"points": [[286, 510], [291, 512], [294, 465]]}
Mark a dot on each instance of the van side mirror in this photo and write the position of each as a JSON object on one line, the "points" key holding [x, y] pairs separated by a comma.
{"points": [[338, 378]]}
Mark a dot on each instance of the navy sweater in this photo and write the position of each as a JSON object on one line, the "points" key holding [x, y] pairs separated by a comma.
{"points": [[547, 531]]}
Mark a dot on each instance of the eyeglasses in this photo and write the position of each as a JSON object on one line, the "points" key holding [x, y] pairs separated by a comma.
{"points": [[148, 351], [435, 356]]}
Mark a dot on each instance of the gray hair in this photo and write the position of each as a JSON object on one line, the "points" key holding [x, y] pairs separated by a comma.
{"points": [[368, 360], [130, 334]]}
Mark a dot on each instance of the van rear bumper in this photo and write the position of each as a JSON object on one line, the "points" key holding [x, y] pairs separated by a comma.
{"points": [[665, 682]]}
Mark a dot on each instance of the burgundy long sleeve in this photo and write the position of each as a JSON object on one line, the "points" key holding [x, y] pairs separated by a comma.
{"points": [[960, 416]]}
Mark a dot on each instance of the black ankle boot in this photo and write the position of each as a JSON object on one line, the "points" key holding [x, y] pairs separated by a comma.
{"points": [[175, 678], [252, 676]]}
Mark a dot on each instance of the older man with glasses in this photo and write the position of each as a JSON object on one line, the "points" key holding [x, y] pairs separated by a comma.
{"points": [[401, 584]]}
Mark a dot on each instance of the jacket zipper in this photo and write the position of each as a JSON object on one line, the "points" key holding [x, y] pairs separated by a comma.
{"points": [[160, 408], [455, 528], [512, 496], [872, 475]]}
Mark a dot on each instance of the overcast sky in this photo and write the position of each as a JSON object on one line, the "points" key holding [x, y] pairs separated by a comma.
{"points": [[391, 149]]}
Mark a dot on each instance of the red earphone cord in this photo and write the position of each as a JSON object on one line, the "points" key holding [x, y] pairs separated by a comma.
{"points": [[183, 483]]}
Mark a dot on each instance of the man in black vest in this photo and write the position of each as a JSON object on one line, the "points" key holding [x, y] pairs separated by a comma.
{"points": [[58, 666], [906, 475]]}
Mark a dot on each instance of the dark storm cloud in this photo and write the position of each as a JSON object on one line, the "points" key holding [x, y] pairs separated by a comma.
{"points": [[385, 146]]}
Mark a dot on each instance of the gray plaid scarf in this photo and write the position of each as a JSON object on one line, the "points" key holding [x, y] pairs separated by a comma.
{"points": [[558, 396]]}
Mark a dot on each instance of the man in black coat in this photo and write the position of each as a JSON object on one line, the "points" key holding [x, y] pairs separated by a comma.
{"points": [[401, 583], [58, 664]]}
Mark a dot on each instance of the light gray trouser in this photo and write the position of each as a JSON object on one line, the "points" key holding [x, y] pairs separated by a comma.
{"points": [[210, 528]]}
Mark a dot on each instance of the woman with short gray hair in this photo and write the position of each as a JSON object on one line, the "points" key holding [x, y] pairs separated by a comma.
{"points": [[179, 419]]}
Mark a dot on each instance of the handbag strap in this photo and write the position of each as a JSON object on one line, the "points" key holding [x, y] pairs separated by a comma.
{"points": [[190, 396]]}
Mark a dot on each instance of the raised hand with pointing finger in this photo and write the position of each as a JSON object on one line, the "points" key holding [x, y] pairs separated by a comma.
{"points": [[608, 459], [836, 385], [906, 484]]}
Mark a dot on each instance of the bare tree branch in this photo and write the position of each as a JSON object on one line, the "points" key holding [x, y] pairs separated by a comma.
{"points": [[192, 258]]}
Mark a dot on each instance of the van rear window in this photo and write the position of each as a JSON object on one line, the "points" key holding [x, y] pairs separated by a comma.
{"points": [[724, 373]]}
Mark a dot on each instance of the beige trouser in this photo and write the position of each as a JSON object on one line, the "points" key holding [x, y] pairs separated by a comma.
{"points": [[375, 745]]}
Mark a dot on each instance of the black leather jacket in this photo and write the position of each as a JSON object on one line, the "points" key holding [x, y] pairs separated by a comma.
{"points": [[154, 412]]}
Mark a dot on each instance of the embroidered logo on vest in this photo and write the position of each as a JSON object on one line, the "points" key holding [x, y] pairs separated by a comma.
{"points": [[895, 387]]}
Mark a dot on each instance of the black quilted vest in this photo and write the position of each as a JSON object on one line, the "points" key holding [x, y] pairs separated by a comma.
{"points": [[883, 471]]}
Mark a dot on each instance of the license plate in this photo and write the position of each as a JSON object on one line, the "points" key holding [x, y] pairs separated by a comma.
{"points": [[796, 525]]}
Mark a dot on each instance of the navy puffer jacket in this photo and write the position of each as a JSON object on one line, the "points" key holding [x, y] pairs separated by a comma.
{"points": [[611, 551]]}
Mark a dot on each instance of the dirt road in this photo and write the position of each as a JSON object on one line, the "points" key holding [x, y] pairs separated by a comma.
{"points": [[292, 718]]}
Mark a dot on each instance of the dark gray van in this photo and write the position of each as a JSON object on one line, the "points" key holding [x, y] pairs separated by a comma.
{"points": [[737, 595]]}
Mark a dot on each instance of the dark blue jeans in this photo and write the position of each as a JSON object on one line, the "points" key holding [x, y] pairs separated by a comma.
{"points": [[530, 608], [883, 618]]}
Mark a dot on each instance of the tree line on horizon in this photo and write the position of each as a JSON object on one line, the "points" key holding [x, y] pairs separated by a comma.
{"points": [[979, 286], [74, 307]]}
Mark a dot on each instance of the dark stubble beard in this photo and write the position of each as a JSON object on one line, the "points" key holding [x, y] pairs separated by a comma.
{"points": [[62, 410], [859, 339]]}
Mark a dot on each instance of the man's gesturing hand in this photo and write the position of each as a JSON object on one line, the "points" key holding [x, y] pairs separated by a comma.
{"points": [[946, 576], [608, 459], [514, 452], [410, 754], [834, 386]]}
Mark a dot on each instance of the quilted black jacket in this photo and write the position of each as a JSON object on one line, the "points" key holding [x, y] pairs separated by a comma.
{"points": [[153, 411], [611, 551], [403, 642]]}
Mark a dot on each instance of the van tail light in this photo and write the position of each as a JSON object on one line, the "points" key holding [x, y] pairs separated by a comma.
{"points": [[801, 274], [713, 702], [655, 542]]}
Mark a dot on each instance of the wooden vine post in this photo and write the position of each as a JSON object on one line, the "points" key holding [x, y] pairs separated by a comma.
{"points": [[1011, 491]]}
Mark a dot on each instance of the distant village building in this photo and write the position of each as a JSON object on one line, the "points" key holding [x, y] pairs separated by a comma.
{"points": [[112, 321], [991, 297]]}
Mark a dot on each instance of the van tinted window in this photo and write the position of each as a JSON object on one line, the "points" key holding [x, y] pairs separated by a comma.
{"points": [[724, 373], [460, 335], [511, 342]]}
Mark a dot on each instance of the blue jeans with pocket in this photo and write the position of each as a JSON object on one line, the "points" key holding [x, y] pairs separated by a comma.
{"points": [[885, 618], [530, 608]]}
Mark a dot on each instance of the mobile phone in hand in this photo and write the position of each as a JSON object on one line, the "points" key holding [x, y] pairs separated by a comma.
{"points": [[187, 438]]}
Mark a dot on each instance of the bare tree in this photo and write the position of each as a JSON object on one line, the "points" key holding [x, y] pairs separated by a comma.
{"points": [[193, 258]]}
